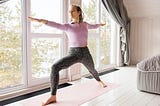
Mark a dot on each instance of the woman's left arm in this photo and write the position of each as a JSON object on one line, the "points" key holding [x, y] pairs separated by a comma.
{"points": [[94, 26]]}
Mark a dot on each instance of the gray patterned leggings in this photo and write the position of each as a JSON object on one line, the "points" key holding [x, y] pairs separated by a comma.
{"points": [[76, 54]]}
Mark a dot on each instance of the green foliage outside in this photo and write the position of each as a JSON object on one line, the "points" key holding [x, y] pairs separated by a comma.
{"points": [[10, 45]]}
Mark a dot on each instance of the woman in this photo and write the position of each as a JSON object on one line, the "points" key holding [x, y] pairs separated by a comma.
{"points": [[77, 33]]}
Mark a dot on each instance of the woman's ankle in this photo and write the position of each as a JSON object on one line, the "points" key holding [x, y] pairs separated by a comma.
{"points": [[102, 84]]}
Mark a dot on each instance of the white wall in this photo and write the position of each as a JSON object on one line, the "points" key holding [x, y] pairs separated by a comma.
{"points": [[145, 28], [145, 37]]}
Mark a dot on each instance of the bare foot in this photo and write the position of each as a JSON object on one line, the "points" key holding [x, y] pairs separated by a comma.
{"points": [[102, 84], [51, 99]]}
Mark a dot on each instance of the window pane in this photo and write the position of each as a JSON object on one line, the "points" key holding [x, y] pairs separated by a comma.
{"points": [[10, 44], [45, 9], [93, 47], [105, 39], [89, 8], [44, 52]]}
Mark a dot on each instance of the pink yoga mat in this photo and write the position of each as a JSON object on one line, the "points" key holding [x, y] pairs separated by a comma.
{"points": [[73, 95]]}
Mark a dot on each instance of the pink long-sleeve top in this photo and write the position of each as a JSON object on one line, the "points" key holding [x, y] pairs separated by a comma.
{"points": [[76, 33]]}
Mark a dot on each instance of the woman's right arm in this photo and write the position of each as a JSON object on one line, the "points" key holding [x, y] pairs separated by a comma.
{"points": [[38, 20], [50, 23]]}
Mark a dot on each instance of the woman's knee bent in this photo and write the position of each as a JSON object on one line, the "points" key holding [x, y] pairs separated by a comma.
{"points": [[55, 69]]}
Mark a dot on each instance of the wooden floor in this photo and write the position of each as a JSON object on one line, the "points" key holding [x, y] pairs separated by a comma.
{"points": [[126, 94]]}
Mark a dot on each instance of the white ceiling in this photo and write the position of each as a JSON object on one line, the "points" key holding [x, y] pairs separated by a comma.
{"points": [[142, 8]]}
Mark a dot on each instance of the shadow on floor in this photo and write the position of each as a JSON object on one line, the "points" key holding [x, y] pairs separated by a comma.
{"points": [[103, 73]]}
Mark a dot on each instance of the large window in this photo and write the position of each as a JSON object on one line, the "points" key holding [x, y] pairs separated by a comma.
{"points": [[28, 49], [100, 40]]}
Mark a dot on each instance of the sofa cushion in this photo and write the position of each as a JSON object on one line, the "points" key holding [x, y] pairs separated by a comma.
{"points": [[150, 64]]}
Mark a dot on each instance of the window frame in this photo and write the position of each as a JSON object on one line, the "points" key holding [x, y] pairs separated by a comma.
{"points": [[31, 36]]}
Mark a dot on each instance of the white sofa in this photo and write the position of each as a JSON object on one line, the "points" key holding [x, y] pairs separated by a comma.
{"points": [[148, 76]]}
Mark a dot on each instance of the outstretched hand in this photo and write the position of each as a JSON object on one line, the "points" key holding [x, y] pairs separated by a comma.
{"points": [[103, 24], [34, 19], [38, 20]]}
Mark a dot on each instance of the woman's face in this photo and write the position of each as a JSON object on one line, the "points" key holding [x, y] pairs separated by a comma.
{"points": [[74, 14]]}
